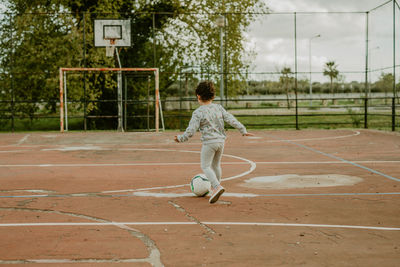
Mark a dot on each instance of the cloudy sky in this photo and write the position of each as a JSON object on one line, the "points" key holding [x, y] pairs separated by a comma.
{"points": [[342, 37]]}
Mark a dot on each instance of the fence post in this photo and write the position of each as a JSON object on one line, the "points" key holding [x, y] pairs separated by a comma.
{"points": [[366, 71], [393, 113], [394, 49], [154, 40], [84, 74], [180, 101], [12, 77], [148, 103], [295, 72], [366, 53], [366, 112]]}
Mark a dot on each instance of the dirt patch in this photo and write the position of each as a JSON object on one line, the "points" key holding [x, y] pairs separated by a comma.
{"points": [[300, 181]]}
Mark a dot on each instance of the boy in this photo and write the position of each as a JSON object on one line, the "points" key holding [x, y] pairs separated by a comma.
{"points": [[209, 119]]}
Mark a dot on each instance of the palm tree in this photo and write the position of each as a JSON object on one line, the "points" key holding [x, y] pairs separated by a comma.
{"points": [[331, 71]]}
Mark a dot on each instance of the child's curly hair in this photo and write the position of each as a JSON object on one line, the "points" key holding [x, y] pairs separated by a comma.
{"points": [[205, 90]]}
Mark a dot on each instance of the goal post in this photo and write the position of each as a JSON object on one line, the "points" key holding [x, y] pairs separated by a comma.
{"points": [[64, 98]]}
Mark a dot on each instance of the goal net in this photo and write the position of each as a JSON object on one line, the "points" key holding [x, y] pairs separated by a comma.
{"points": [[109, 98]]}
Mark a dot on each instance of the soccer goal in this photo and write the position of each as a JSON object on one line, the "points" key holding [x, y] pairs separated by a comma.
{"points": [[120, 101]]}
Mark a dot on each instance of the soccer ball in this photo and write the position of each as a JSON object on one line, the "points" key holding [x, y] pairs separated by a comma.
{"points": [[200, 186]]}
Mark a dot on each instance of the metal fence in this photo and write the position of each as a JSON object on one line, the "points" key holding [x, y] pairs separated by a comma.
{"points": [[300, 42], [322, 112], [256, 112]]}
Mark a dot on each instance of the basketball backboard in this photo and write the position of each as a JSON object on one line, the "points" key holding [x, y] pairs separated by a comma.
{"points": [[117, 30]]}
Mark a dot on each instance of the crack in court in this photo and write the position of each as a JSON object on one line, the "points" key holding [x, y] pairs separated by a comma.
{"points": [[154, 257], [194, 219]]}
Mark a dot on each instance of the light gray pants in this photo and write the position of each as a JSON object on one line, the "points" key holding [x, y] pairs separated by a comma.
{"points": [[211, 155]]}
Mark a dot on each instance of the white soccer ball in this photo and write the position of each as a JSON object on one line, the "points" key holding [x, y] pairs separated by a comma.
{"points": [[200, 186]]}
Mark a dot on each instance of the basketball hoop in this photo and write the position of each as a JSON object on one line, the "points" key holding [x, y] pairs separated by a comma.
{"points": [[111, 48], [112, 33]]}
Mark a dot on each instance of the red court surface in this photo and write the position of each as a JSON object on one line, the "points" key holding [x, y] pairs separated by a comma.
{"points": [[308, 198]]}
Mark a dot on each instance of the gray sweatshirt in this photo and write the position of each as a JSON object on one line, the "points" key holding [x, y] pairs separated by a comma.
{"points": [[209, 119]]}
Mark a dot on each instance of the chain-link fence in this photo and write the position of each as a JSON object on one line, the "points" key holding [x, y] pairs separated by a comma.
{"points": [[292, 70]]}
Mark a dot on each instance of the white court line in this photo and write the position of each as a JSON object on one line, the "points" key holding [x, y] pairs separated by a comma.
{"points": [[144, 192], [191, 143], [15, 151], [252, 168], [326, 162], [23, 139], [116, 164], [315, 139], [190, 163], [207, 223], [60, 261]]}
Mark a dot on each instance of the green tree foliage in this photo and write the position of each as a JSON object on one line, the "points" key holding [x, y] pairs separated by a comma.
{"points": [[332, 72], [35, 42], [385, 83], [199, 36], [39, 36]]}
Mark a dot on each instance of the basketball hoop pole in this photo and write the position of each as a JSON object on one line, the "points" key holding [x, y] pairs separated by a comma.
{"points": [[61, 102], [157, 100], [111, 50], [120, 124]]}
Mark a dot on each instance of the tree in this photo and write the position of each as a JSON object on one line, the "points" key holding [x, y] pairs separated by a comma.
{"points": [[199, 36], [331, 71], [33, 48], [285, 82], [385, 84], [45, 35]]}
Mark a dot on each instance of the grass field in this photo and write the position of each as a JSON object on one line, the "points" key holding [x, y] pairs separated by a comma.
{"points": [[317, 121], [320, 114]]}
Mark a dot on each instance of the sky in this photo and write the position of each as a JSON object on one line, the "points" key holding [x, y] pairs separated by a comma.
{"points": [[342, 38], [2, 7]]}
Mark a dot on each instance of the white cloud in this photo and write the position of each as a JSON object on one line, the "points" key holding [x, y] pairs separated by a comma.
{"points": [[274, 43], [292, 6], [322, 5], [342, 40]]}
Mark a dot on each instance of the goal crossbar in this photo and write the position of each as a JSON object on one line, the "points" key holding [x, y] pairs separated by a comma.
{"points": [[63, 108]]}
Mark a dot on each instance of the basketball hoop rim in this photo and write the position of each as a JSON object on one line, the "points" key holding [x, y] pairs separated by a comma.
{"points": [[112, 40]]}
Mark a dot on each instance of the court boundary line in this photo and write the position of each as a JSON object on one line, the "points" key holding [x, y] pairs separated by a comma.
{"points": [[144, 193], [316, 139], [190, 163], [48, 224]]}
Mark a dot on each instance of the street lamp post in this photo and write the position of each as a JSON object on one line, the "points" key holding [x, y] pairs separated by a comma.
{"points": [[309, 55], [369, 71], [221, 24]]}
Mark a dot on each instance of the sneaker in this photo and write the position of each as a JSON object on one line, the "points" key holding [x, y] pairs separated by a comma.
{"points": [[216, 193]]}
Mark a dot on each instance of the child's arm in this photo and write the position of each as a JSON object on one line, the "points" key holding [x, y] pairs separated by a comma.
{"points": [[232, 121], [194, 125]]}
